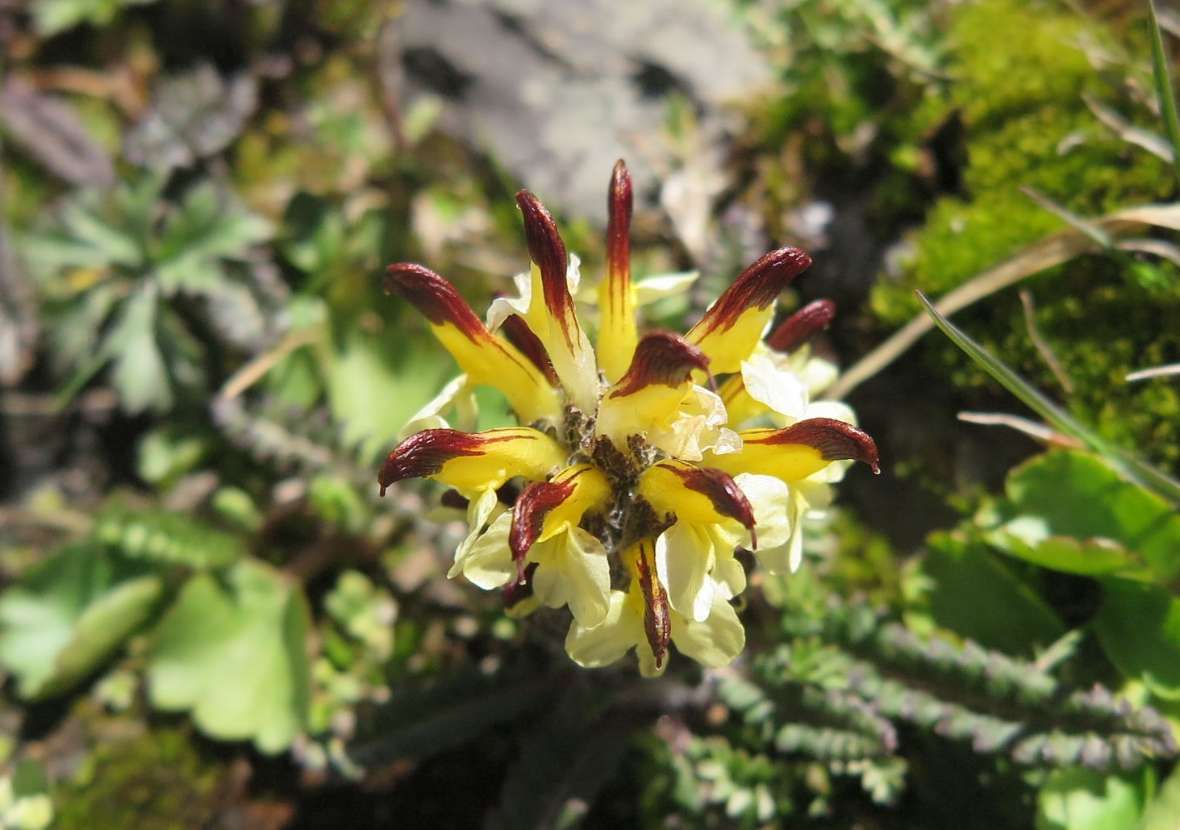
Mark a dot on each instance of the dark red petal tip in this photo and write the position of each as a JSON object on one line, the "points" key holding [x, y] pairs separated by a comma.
{"points": [[619, 206], [424, 453], [756, 287], [722, 491], [432, 295], [657, 618], [548, 251], [528, 514], [661, 357], [522, 337], [801, 326], [835, 440]]}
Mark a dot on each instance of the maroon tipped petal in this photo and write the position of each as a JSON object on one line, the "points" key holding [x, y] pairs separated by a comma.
{"points": [[521, 336], [618, 228], [432, 295], [722, 491], [528, 514], [657, 618], [520, 588], [756, 287], [661, 357], [801, 326], [548, 252], [425, 452], [835, 440]]}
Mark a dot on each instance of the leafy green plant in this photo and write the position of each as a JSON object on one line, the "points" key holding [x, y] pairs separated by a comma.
{"points": [[119, 271]]}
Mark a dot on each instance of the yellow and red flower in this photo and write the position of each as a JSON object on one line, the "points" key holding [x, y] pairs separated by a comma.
{"points": [[626, 455]]}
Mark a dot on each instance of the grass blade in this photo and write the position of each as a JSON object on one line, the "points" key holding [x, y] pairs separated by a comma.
{"points": [[1127, 465], [1163, 86]]}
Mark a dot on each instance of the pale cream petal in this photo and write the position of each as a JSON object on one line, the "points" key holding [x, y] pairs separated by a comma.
{"points": [[602, 645], [586, 572], [481, 509], [661, 286], [488, 562], [770, 499], [684, 556], [798, 508], [774, 386], [504, 307], [837, 410], [647, 660], [714, 642], [699, 426]]}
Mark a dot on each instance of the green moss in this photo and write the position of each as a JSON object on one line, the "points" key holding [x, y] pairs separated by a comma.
{"points": [[155, 781], [1019, 80]]}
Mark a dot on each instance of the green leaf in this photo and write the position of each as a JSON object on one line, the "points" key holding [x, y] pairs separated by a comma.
{"points": [[69, 615], [1163, 811], [1163, 86], [53, 16], [1080, 799], [233, 652], [1139, 628], [166, 537], [139, 373], [1071, 512], [967, 583], [374, 387], [207, 226], [1127, 465]]}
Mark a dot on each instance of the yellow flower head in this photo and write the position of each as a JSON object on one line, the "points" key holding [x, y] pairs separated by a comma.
{"points": [[627, 489]]}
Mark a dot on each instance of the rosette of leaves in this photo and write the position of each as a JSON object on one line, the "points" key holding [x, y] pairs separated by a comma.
{"points": [[130, 277]]}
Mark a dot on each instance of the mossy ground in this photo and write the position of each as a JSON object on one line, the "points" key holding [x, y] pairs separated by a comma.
{"points": [[1019, 72]]}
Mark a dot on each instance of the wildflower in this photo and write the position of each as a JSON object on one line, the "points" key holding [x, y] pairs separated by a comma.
{"points": [[631, 483]]}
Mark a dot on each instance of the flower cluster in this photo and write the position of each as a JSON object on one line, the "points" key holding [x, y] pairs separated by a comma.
{"points": [[628, 490]]}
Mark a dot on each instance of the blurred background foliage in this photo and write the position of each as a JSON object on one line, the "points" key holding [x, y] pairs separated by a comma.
{"points": [[209, 619]]}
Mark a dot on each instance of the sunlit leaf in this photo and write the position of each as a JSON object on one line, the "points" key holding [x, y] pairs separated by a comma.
{"points": [[233, 652], [1069, 511], [69, 615]]}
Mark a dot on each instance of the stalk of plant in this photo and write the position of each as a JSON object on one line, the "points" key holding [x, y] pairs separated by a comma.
{"points": [[644, 462]]}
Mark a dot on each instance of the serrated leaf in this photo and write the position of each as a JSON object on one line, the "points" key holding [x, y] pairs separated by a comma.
{"points": [[233, 653], [423, 720], [69, 615], [1139, 628], [1069, 511]]}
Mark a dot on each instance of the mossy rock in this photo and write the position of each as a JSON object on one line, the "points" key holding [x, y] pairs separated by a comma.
{"points": [[1019, 76], [154, 781]]}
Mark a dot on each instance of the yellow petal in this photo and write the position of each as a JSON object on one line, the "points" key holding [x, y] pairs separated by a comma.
{"points": [[733, 325], [695, 494], [649, 395], [657, 614], [551, 315], [484, 357], [617, 334], [799, 450], [471, 462], [545, 508]]}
